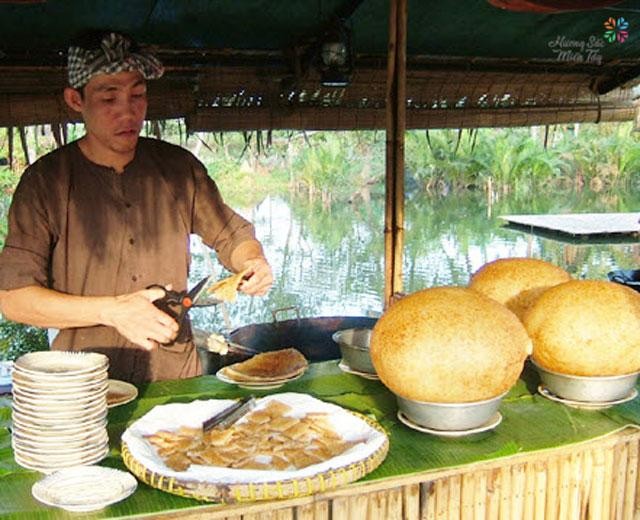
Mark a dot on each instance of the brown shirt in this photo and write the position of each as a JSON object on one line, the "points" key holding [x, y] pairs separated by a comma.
{"points": [[83, 229]]}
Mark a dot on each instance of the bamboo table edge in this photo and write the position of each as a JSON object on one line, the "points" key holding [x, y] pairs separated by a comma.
{"points": [[219, 511]]}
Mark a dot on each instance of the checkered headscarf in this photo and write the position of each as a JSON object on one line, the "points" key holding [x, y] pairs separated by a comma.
{"points": [[117, 53]]}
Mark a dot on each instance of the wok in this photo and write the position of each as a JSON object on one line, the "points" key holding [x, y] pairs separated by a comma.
{"points": [[311, 336], [630, 278]]}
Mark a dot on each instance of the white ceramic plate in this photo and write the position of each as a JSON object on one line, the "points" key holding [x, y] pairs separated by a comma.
{"points": [[60, 428], [85, 488], [79, 411], [58, 406], [344, 366], [120, 392], [586, 405], [59, 362], [489, 425], [66, 420], [49, 467], [61, 397], [257, 385], [49, 443], [55, 436], [59, 376], [59, 384], [58, 456]]}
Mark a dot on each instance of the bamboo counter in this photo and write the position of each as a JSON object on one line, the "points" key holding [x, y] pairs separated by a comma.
{"points": [[595, 480], [544, 461]]}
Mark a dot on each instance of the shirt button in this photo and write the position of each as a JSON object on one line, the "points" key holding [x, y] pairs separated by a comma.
{"points": [[132, 241], [134, 278]]}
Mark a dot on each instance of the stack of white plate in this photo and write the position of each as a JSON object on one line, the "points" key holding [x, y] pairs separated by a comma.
{"points": [[59, 409]]}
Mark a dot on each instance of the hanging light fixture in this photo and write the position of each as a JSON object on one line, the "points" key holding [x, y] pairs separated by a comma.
{"points": [[336, 59]]}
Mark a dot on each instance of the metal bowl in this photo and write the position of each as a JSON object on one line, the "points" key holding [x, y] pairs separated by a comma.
{"points": [[450, 416], [591, 389], [354, 346]]}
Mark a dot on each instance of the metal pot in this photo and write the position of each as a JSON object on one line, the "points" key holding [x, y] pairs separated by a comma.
{"points": [[311, 336], [354, 346], [630, 278]]}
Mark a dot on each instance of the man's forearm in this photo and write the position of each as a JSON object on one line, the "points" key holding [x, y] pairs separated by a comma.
{"points": [[247, 250], [44, 307], [133, 315]]}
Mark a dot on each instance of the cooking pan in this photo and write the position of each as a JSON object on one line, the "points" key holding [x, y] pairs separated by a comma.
{"points": [[311, 336], [630, 278]]}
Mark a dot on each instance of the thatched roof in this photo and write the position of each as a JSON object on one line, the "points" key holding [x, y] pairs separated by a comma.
{"points": [[253, 64]]}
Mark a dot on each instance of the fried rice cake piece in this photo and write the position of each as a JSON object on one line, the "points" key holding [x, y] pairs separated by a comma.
{"points": [[268, 366], [226, 289]]}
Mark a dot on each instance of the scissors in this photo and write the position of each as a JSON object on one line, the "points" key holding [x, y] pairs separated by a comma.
{"points": [[178, 303]]}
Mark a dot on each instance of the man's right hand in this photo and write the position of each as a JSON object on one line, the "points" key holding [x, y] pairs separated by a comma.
{"points": [[135, 317]]}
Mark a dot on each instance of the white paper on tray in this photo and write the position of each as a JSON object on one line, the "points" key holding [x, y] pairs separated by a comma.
{"points": [[171, 416]]}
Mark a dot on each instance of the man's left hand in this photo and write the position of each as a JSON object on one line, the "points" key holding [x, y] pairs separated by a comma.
{"points": [[260, 277]]}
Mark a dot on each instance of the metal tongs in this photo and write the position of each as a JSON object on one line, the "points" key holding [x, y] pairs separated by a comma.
{"points": [[230, 415], [219, 344]]}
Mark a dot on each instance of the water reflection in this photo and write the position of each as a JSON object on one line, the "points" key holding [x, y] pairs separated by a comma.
{"points": [[330, 262]]}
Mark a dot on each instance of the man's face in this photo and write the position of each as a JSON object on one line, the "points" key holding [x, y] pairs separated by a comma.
{"points": [[114, 107]]}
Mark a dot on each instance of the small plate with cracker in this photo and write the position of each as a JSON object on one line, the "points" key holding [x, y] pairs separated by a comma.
{"points": [[266, 370], [120, 392]]}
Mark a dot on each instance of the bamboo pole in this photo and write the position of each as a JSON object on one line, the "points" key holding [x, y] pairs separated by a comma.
{"points": [[467, 497], [518, 483], [401, 110], [359, 505], [528, 498], [427, 500], [57, 134], [494, 490], [540, 490], [453, 506], [598, 483], [631, 482], [619, 479], [10, 146], [411, 501], [395, 128], [608, 478], [390, 152], [585, 491], [25, 146]]}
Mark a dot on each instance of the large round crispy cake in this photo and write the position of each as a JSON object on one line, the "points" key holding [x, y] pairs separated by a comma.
{"points": [[448, 345], [586, 328], [517, 282]]}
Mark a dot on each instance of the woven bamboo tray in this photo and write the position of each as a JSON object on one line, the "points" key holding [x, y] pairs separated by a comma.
{"points": [[230, 493]]}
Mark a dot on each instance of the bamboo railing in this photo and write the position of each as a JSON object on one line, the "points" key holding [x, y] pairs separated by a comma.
{"points": [[596, 480]]}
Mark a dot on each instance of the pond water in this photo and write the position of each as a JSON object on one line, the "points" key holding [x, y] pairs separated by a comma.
{"points": [[330, 262]]}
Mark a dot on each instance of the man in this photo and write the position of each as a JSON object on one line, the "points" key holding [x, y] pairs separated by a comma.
{"points": [[98, 220]]}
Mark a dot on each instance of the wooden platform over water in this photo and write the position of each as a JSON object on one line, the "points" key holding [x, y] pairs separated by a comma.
{"points": [[580, 227]]}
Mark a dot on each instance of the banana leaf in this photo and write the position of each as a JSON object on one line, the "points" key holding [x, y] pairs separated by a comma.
{"points": [[530, 423]]}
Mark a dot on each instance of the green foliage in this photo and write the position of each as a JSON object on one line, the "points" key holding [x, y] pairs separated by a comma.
{"points": [[346, 166], [335, 165], [8, 180], [17, 339]]}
